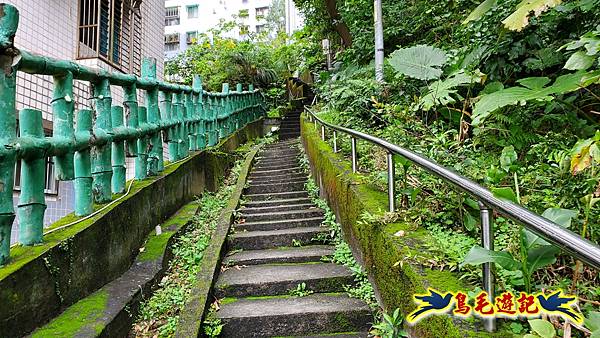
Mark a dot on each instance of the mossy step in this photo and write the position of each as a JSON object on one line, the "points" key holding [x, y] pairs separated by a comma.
{"points": [[269, 172], [300, 217], [336, 335], [279, 279], [277, 196], [256, 240], [276, 164], [284, 316], [256, 188], [108, 311], [276, 203], [275, 157], [280, 179], [311, 253], [275, 208], [275, 178]]}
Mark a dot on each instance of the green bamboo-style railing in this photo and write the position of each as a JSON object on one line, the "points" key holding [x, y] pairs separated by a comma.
{"points": [[89, 146]]}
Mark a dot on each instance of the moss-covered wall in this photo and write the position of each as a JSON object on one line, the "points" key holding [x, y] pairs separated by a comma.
{"points": [[386, 257], [39, 282]]}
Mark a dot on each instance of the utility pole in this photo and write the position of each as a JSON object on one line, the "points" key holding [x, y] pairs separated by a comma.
{"points": [[378, 16]]}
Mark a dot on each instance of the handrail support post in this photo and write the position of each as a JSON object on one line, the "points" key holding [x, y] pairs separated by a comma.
{"points": [[335, 150], [487, 241], [354, 166], [323, 132], [391, 173]]}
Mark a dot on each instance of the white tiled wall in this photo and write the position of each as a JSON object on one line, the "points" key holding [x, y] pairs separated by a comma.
{"points": [[49, 27]]}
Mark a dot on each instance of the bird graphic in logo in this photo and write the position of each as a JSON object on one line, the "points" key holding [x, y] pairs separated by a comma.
{"points": [[556, 304], [430, 303]]}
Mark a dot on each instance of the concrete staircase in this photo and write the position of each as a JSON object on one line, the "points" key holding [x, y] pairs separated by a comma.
{"points": [[273, 250], [290, 125]]}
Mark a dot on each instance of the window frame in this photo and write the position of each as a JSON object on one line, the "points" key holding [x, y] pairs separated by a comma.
{"points": [[176, 17], [196, 7], [121, 33]]}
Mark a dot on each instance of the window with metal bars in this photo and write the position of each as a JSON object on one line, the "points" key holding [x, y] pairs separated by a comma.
{"points": [[171, 16], [111, 30]]}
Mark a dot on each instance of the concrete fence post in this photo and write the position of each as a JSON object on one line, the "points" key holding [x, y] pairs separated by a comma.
{"points": [[31, 200]]}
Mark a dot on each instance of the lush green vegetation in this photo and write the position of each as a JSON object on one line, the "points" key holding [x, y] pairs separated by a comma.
{"points": [[504, 92]]}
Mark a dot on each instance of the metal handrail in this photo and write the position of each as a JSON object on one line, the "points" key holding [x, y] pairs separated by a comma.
{"points": [[565, 239]]}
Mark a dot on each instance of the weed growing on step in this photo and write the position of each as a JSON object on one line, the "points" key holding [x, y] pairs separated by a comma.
{"points": [[362, 289], [300, 291], [212, 325], [389, 326], [159, 315], [296, 243]]}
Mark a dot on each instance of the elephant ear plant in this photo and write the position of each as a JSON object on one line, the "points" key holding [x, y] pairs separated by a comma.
{"points": [[534, 252]]}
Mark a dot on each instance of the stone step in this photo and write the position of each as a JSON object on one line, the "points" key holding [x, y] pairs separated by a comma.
{"points": [[288, 216], [276, 165], [257, 240], [279, 279], [279, 180], [311, 253], [280, 224], [256, 188], [337, 335], [275, 208], [276, 203], [285, 316], [290, 134], [293, 170], [279, 176], [274, 154], [277, 196], [284, 157]]}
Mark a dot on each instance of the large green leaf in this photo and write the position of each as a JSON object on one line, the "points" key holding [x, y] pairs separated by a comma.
{"points": [[543, 328], [580, 60], [519, 19], [478, 12], [478, 255], [532, 90], [541, 256], [559, 216], [592, 321], [508, 157], [421, 62], [442, 92], [505, 193]]}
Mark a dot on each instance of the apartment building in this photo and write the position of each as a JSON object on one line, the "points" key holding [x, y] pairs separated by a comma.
{"points": [[186, 19], [108, 34]]}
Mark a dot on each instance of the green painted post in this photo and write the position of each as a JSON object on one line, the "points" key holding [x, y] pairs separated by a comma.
{"points": [[118, 154], [238, 105], [199, 113], [130, 106], [209, 111], [224, 111], [141, 160], [166, 113], [101, 166], [155, 157], [9, 21], [190, 137], [83, 167], [182, 142], [32, 203], [62, 111]]}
